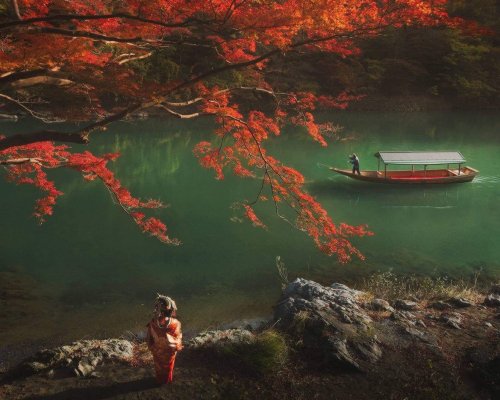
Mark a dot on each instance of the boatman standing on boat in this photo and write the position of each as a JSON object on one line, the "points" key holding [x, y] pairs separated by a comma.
{"points": [[354, 160], [164, 338]]}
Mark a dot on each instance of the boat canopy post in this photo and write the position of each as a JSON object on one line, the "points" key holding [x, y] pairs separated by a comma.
{"points": [[378, 164], [385, 170], [459, 166]]}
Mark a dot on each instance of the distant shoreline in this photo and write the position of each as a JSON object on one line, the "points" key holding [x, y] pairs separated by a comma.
{"points": [[397, 104]]}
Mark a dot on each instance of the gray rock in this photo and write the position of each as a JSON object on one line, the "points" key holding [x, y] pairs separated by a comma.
{"points": [[492, 300], [406, 305], [453, 320], [380, 305], [80, 357], [35, 367], [421, 323], [84, 368], [495, 289], [416, 334], [340, 356], [459, 302], [440, 305], [404, 316], [369, 350], [222, 338], [419, 332]]}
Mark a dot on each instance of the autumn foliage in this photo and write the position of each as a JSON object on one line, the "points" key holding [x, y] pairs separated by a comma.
{"points": [[82, 52]]}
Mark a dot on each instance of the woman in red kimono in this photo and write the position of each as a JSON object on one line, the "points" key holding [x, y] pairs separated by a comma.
{"points": [[164, 338]]}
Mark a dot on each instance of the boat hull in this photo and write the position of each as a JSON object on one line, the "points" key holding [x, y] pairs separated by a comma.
{"points": [[435, 176]]}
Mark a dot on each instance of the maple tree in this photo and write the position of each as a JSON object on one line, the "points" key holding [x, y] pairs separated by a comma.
{"points": [[82, 51]]}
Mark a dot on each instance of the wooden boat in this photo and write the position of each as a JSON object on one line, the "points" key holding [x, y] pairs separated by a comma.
{"points": [[458, 174]]}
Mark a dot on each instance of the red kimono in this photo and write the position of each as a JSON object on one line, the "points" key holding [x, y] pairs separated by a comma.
{"points": [[164, 341]]}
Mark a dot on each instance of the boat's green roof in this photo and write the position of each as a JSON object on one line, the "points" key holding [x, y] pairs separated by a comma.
{"points": [[421, 157]]}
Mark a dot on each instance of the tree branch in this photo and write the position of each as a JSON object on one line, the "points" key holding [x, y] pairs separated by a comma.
{"points": [[125, 58], [22, 139], [15, 9], [183, 116], [77, 17], [89, 35], [40, 80], [17, 161], [27, 109]]}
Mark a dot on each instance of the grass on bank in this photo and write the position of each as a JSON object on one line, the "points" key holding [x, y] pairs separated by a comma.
{"points": [[388, 285], [265, 355]]}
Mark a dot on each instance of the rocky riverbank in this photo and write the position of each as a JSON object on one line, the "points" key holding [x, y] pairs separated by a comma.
{"points": [[324, 342]]}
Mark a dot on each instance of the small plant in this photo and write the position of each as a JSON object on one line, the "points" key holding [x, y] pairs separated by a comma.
{"points": [[282, 272]]}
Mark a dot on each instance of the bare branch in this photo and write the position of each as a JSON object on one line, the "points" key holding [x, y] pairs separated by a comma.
{"points": [[15, 9], [17, 161], [89, 35], [77, 17], [198, 99], [183, 116], [13, 76], [27, 109], [40, 80], [134, 57]]}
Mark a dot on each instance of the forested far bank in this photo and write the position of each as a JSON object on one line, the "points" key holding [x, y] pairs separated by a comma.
{"points": [[411, 68]]}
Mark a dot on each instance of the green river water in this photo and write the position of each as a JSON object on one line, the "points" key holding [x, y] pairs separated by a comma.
{"points": [[88, 271]]}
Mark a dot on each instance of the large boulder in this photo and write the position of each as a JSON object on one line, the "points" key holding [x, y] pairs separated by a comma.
{"points": [[330, 323]]}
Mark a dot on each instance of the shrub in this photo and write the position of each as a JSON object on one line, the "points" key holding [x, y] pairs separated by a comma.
{"points": [[265, 355]]}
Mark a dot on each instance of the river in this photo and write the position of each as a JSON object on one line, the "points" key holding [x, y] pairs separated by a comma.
{"points": [[89, 271]]}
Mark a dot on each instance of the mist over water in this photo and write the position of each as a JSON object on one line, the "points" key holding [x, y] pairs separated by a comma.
{"points": [[90, 271]]}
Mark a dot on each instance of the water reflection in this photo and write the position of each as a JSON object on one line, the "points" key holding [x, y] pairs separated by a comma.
{"points": [[399, 196]]}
